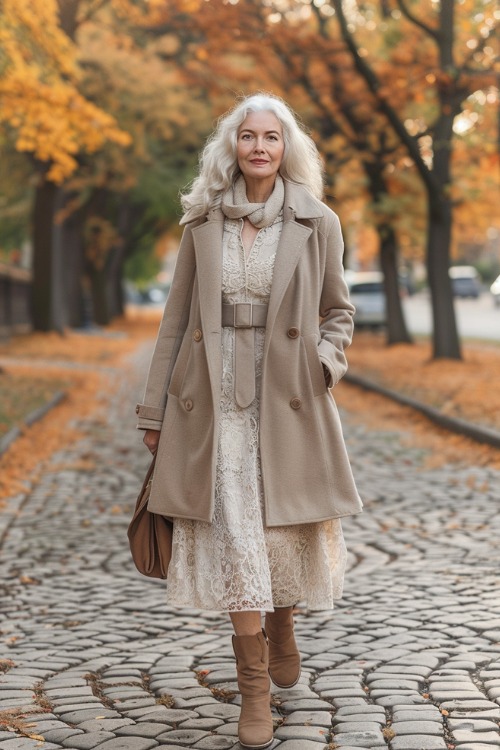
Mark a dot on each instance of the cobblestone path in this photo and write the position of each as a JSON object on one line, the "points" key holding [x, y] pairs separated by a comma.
{"points": [[91, 655]]}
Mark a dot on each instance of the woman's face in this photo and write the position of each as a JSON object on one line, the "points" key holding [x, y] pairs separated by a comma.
{"points": [[260, 146]]}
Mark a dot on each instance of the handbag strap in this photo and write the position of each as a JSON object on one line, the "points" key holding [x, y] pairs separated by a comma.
{"points": [[149, 474]]}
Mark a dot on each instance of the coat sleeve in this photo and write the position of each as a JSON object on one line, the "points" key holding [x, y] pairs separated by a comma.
{"points": [[336, 311], [172, 328]]}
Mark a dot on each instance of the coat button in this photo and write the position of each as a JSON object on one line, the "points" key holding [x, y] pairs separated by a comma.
{"points": [[296, 403], [293, 333], [137, 409], [188, 404], [197, 334]]}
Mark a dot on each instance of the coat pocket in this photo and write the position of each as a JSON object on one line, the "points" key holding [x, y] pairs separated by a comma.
{"points": [[314, 364], [180, 367]]}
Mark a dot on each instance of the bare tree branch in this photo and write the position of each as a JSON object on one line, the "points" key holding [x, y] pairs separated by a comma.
{"points": [[357, 134], [416, 21], [93, 8]]}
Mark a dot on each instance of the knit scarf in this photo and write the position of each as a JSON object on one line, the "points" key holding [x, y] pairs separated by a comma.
{"points": [[235, 204]]}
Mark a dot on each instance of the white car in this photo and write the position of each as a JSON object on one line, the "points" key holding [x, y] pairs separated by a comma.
{"points": [[366, 290], [495, 290]]}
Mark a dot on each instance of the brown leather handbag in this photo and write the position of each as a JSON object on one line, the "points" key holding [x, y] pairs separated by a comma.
{"points": [[150, 535]]}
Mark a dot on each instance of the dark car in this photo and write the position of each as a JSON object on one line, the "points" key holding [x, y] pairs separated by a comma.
{"points": [[465, 281]]}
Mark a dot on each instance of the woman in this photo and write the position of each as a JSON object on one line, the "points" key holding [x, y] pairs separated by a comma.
{"points": [[251, 462]]}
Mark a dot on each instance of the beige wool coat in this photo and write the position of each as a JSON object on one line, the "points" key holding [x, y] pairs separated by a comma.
{"points": [[306, 472]]}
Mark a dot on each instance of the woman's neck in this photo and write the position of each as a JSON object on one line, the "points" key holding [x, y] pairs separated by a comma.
{"points": [[258, 191]]}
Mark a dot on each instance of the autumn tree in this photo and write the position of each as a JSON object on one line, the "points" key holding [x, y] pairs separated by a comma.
{"points": [[128, 72], [71, 72], [367, 68], [454, 40], [45, 115]]}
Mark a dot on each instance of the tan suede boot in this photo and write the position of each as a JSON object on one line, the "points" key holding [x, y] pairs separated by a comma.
{"points": [[284, 657], [255, 727]]}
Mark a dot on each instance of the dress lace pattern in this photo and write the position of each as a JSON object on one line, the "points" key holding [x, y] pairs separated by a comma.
{"points": [[236, 563]]}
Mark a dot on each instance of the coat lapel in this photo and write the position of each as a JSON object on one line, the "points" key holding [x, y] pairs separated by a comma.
{"points": [[208, 249], [207, 239], [292, 242], [298, 204]]}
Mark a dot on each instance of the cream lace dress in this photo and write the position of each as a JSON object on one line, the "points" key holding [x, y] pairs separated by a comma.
{"points": [[236, 563]]}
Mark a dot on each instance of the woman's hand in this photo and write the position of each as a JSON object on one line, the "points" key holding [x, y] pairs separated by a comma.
{"points": [[328, 376], [151, 440]]}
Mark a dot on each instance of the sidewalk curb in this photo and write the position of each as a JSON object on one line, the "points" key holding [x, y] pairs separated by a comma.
{"points": [[453, 424], [34, 416]]}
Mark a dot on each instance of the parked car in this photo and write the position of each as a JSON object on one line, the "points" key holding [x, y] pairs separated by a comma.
{"points": [[366, 290], [495, 290], [156, 294], [465, 281]]}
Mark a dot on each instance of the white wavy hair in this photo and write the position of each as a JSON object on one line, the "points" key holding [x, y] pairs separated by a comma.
{"points": [[218, 164]]}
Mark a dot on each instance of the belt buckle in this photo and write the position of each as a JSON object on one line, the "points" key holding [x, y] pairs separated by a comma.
{"points": [[242, 315]]}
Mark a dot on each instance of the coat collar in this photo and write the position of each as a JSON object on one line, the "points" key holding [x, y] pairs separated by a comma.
{"points": [[300, 204]]}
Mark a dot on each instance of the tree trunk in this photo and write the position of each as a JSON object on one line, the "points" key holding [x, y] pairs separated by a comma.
{"points": [[446, 343], [397, 331], [69, 255], [43, 258], [98, 288], [437, 178], [116, 295], [68, 12], [75, 267], [114, 274], [113, 282], [73, 232], [445, 335]]}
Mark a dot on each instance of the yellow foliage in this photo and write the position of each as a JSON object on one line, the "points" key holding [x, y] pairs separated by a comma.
{"points": [[151, 12], [41, 103], [29, 30]]}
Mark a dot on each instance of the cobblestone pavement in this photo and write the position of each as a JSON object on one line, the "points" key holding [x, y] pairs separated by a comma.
{"points": [[92, 656]]}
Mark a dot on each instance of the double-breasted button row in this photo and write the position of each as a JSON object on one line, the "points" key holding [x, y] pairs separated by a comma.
{"points": [[294, 333], [197, 334], [188, 404]]}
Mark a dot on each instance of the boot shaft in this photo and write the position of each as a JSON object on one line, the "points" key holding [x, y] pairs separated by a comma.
{"points": [[252, 663], [255, 725], [279, 624]]}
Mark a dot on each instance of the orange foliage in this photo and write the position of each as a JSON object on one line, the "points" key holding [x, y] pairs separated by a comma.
{"points": [[23, 461], [86, 390], [457, 388], [441, 446]]}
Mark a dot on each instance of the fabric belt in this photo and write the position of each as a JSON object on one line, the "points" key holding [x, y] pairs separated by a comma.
{"points": [[243, 317]]}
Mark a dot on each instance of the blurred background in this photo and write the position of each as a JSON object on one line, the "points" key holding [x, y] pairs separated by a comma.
{"points": [[105, 105]]}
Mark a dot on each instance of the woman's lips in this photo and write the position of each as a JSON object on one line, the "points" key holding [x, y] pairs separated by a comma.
{"points": [[258, 161]]}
